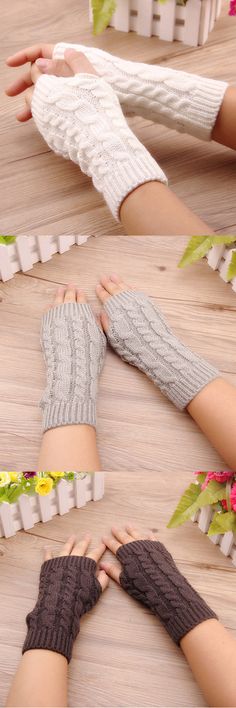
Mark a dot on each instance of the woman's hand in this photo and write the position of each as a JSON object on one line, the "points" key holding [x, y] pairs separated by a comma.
{"points": [[40, 57], [120, 537], [73, 547]]}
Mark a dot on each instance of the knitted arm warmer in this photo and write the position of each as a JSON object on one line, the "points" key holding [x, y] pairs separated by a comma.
{"points": [[80, 118], [185, 102], [68, 588], [150, 575]]}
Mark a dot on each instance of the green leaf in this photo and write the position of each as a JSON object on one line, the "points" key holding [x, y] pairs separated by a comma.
{"points": [[7, 239], [201, 477], [102, 14], [221, 523], [199, 246], [189, 497], [190, 502], [231, 273]]}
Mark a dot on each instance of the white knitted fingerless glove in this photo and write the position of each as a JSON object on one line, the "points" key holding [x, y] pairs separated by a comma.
{"points": [[80, 118], [185, 102]]}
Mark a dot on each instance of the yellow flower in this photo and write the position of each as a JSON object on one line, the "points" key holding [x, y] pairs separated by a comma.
{"points": [[4, 479], [14, 476], [44, 486], [56, 475]]}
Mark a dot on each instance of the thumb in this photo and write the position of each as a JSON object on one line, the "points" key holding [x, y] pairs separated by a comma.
{"points": [[78, 62]]}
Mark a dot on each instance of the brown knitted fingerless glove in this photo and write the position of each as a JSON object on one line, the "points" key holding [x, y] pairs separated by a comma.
{"points": [[68, 588], [150, 575]]}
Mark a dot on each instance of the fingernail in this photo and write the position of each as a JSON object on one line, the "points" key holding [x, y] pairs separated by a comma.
{"points": [[43, 64]]}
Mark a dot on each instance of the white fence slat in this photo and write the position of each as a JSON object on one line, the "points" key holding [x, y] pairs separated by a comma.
{"points": [[167, 20], [44, 504], [25, 512], [215, 255], [218, 7], [205, 518], [44, 248], [215, 539], [80, 492], [62, 497], [7, 520], [122, 16], [97, 485], [223, 269], [233, 553], [6, 271], [192, 22], [234, 284], [24, 253], [144, 18], [226, 543], [213, 14], [63, 244], [204, 21]]}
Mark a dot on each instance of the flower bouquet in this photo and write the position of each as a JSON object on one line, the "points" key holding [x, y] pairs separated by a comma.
{"points": [[188, 21], [220, 252], [211, 500], [29, 497]]}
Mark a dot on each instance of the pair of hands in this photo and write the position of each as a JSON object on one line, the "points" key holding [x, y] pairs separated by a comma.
{"points": [[40, 57], [117, 538]]}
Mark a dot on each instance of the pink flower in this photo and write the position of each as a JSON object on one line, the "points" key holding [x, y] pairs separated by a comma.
{"points": [[232, 8], [233, 497], [221, 477]]}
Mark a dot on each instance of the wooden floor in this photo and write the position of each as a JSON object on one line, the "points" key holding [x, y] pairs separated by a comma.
{"points": [[42, 193], [137, 427], [123, 656]]}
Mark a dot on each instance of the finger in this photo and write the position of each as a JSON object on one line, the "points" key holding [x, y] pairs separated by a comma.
{"points": [[97, 553], [80, 296], [70, 294], [59, 299], [25, 113], [30, 54], [103, 579], [113, 570], [47, 554], [139, 535], [20, 84], [104, 321], [78, 62], [57, 67], [80, 548], [121, 535], [111, 543], [102, 294], [35, 72], [67, 548]]}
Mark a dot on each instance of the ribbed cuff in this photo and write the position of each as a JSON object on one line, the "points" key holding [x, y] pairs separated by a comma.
{"points": [[191, 616], [52, 639], [197, 375], [129, 175], [70, 413], [205, 104], [67, 310]]}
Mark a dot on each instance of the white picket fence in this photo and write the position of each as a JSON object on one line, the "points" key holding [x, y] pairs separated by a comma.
{"points": [[28, 250], [225, 541], [29, 510], [190, 24], [219, 257]]}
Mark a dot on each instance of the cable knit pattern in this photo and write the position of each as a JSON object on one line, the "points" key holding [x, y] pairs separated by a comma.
{"points": [[150, 575], [185, 102], [80, 118], [74, 349], [68, 588], [140, 335]]}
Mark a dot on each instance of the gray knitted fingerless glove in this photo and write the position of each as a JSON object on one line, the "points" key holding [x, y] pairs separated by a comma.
{"points": [[74, 349], [68, 588], [150, 575], [140, 335]]}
